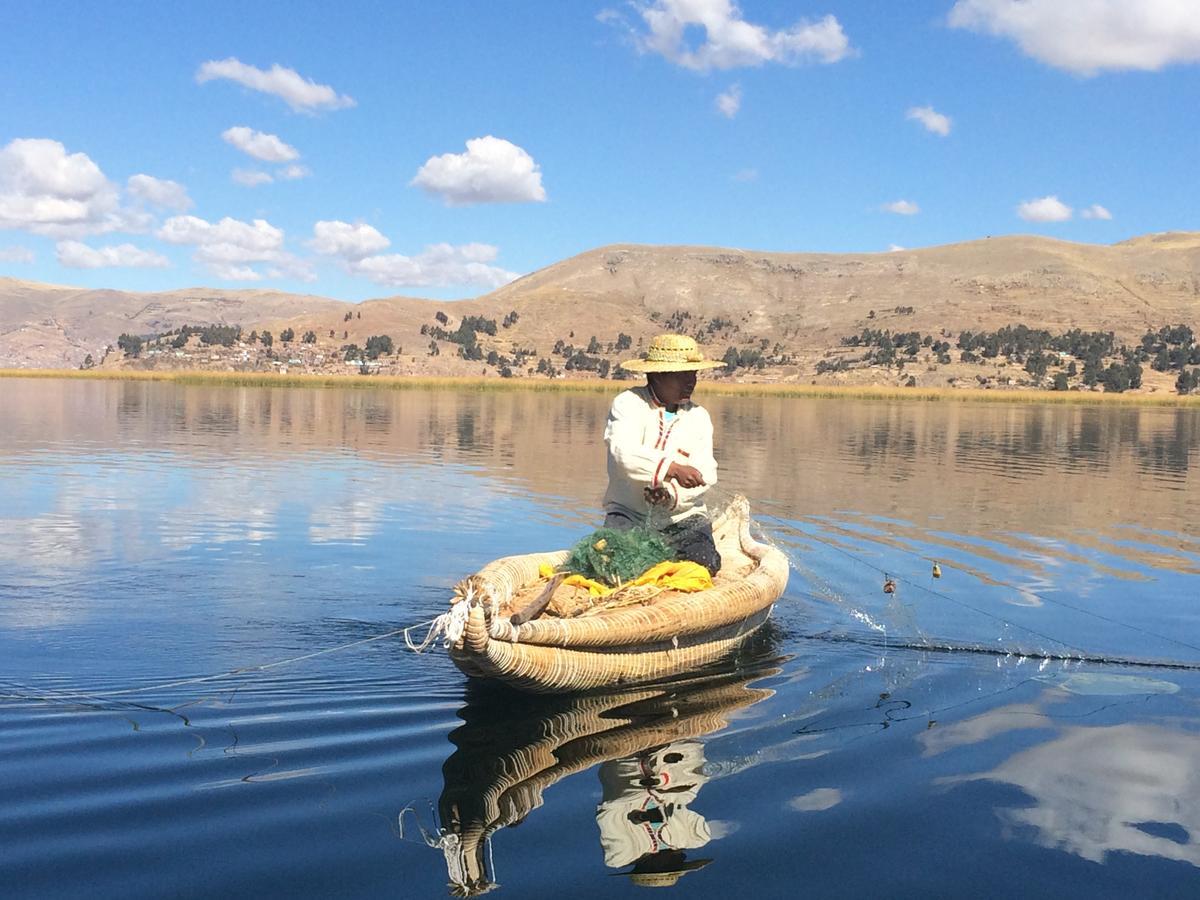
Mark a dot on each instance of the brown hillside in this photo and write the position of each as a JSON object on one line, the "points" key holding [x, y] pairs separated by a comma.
{"points": [[805, 302]]}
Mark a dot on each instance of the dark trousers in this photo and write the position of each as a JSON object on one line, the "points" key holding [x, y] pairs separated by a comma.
{"points": [[691, 539]]}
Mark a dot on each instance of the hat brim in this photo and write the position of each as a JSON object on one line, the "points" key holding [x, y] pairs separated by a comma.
{"points": [[666, 876], [647, 365]]}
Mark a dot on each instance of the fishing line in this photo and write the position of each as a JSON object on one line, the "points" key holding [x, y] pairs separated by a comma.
{"points": [[943, 596], [105, 696], [1043, 598], [998, 652], [957, 602]]}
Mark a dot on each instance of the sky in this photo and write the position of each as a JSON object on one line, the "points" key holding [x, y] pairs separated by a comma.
{"points": [[368, 149]]}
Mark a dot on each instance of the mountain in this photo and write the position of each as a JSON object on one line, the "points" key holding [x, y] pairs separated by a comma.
{"points": [[51, 326], [803, 302]]}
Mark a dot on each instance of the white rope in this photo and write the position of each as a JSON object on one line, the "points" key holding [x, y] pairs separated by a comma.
{"points": [[456, 868], [491, 872], [450, 843], [449, 625]]}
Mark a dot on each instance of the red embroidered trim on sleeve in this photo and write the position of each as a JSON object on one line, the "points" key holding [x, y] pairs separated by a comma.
{"points": [[654, 482]]}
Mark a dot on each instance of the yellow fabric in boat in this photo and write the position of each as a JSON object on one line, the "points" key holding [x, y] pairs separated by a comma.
{"points": [[671, 576], [678, 576]]}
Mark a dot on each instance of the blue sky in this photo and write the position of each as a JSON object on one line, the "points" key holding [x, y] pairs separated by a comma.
{"points": [[440, 149]]}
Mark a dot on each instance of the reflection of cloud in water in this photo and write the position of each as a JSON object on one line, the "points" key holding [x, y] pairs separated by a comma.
{"points": [[1131, 788], [49, 541], [224, 507], [816, 801], [40, 615], [353, 521], [88, 516], [722, 828], [353, 509], [976, 730]]}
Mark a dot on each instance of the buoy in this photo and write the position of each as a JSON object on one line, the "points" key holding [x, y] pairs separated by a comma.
{"points": [[889, 586], [937, 571]]}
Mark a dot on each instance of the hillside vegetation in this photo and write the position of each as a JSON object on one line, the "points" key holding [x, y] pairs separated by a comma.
{"points": [[999, 312]]}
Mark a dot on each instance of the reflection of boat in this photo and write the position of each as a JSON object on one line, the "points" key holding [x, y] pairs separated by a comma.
{"points": [[511, 748], [667, 634]]}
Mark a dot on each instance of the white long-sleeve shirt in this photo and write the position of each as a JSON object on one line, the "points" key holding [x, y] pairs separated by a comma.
{"points": [[643, 441]]}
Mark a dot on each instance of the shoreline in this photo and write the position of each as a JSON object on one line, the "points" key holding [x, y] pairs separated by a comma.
{"points": [[711, 388]]}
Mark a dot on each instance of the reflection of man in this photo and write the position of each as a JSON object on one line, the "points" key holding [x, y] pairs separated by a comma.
{"points": [[644, 818]]}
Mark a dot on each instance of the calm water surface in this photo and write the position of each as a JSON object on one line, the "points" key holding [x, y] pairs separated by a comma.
{"points": [[943, 740]]}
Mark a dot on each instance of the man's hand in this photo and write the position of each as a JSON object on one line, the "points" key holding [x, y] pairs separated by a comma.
{"points": [[685, 476], [658, 496]]}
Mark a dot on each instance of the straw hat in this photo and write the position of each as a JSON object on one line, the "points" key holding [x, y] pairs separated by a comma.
{"points": [[672, 353], [662, 869]]}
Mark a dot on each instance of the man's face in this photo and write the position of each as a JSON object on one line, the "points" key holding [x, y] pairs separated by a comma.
{"points": [[672, 388]]}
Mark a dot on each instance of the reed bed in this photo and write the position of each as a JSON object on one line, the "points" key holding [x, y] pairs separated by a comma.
{"points": [[707, 387]]}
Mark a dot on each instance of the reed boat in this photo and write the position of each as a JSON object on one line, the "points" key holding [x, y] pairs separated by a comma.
{"points": [[510, 750], [640, 637]]}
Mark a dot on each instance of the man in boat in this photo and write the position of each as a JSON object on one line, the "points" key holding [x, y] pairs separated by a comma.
{"points": [[660, 451]]}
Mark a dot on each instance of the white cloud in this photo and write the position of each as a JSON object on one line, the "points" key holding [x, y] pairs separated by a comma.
{"points": [[1089, 36], [260, 237], [251, 177], [492, 170], [227, 272], [745, 175], [254, 177], [45, 190], [729, 40], [159, 192], [126, 256], [16, 254], [1044, 209], [932, 120], [729, 102], [335, 238], [228, 246], [895, 248], [818, 800], [259, 144], [1096, 211], [901, 208], [301, 94], [441, 265]]}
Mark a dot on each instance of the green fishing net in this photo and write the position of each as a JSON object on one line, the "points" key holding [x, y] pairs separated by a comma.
{"points": [[615, 557]]}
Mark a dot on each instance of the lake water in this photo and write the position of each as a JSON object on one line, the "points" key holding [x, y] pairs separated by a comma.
{"points": [[1026, 724]]}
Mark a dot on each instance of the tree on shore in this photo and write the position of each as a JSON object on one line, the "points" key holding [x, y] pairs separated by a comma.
{"points": [[131, 345], [379, 345]]}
